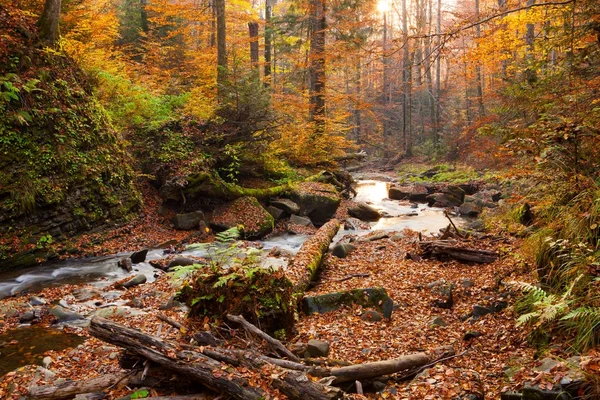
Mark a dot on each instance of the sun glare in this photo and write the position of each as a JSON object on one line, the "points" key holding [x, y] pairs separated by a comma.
{"points": [[383, 6]]}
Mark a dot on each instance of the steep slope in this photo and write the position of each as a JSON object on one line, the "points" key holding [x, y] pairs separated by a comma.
{"points": [[63, 168]]}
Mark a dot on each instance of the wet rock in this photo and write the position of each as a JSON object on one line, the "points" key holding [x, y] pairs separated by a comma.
{"points": [[136, 280], [276, 213], [180, 262], [37, 301], [187, 221], [454, 191], [480, 311], [117, 311], [415, 193], [317, 348], [371, 315], [298, 220], [63, 315], [470, 209], [286, 205], [318, 201], [245, 211], [364, 212], [546, 365], [376, 235], [352, 224], [443, 200], [126, 264], [139, 256], [341, 250], [438, 321], [471, 335], [27, 317]]}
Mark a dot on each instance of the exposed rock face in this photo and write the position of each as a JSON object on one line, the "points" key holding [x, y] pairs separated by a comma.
{"points": [[364, 212], [188, 221], [318, 201], [247, 212]]}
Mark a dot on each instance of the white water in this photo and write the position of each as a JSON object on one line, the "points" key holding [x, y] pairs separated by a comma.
{"points": [[102, 271]]}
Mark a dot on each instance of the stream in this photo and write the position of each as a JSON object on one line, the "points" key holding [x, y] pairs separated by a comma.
{"points": [[102, 271]]}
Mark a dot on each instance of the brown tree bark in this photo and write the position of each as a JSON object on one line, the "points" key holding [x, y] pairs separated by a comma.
{"points": [[253, 32], [445, 249], [268, 42], [221, 47], [317, 65], [48, 22]]}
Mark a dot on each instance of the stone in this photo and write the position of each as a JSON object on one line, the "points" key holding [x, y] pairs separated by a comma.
{"points": [[369, 297], [375, 235], [371, 315], [444, 293], [139, 256], [471, 335], [27, 317], [467, 283], [415, 193], [341, 250], [364, 212], [470, 209], [317, 348], [437, 321], [318, 201], [37, 301], [480, 311], [46, 361], [536, 393], [286, 205], [188, 221], [477, 225], [247, 212], [443, 200], [353, 224], [136, 280], [172, 303], [63, 315], [454, 191], [546, 365], [117, 311], [276, 212], [126, 264], [298, 220], [379, 386], [180, 262]]}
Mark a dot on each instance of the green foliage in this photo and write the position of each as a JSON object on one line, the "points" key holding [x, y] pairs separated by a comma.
{"points": [[442, 173]]}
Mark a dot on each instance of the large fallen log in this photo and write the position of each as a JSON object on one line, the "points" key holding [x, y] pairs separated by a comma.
{"points": [[305, 266], [442, 250], [371, 370], [70, 389], [207, 370]]}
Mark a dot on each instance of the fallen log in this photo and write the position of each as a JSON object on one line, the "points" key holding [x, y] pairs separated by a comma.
{"points": [[360, 372], [207, 370], [307, 262], [70, 389], [276, 344], [442, 250]]}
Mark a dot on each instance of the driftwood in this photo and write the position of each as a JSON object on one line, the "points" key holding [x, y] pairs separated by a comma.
{"points": [[69, 389], [173, 323], [371, 370], [308, 259], [441, 249], [207, 370], [276, 344]]}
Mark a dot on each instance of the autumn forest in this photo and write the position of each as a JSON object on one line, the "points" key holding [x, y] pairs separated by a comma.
{"points": [[303, 199]]}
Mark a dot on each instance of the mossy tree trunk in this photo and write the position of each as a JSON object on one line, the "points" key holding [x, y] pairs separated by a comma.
{"points": [[48, 22]]}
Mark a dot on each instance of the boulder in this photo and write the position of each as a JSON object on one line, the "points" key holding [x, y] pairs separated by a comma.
{"points": [[371, 316], [318, 201], [286, 205], [317, 348], [470, 209], [454, 191], [180, 262], [298, 220], [364, 212], [341, 250], [276, 212], [351, 224], [416, 193], [187, 221], [138, 256], [369, 297], [443, 200], [136, 280], [245, 211], [126, 264], [63, 315]]}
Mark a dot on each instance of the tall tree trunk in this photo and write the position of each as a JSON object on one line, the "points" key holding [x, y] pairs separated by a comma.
{"points": [[428, 75], [317, 65], [478, 73], [357, 101], [144, 16], [407, 78], [221, 47], [253, 32], [48, 22], [530, 73], [268, 41], [387, 93], [438, 68]]}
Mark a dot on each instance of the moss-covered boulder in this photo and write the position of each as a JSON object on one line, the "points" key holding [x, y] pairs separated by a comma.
{"points": [[246, 212], [63, 168], [318, 201], [369, 297]]}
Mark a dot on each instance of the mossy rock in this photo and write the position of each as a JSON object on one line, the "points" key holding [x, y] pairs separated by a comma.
{"points": [[246, 212], [318, 201], [369, 297], [262, 295]]}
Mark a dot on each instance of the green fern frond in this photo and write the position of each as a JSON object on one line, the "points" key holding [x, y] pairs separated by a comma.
{"points": [[183, 271], [229, 235], [527, 318], [528, 288], [585, 321]]}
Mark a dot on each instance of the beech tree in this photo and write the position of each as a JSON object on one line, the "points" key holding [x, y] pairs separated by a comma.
{"points": [[48, 22]]}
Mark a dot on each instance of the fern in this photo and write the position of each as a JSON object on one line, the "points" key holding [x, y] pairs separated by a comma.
{"points": [[585, 321], [182, 272]]}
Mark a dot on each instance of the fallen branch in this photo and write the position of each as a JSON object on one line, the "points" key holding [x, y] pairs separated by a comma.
{"points": [[443, 249], [379, 368], [172, 322], [276, 344], [70, 389], [348, 277]]}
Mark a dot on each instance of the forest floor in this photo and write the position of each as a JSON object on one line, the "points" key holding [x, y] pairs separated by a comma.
{"points": [[492, 353]]}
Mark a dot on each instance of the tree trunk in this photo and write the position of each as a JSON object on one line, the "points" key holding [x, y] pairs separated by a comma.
{"points": [[221, 47], [407, 79], [268, 40], [253, 32], [379, 368], [317, 65], [443, 250], [69, 389], [48, 22], [478, 73], [307, 261]]}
